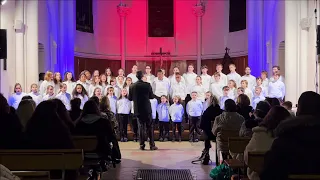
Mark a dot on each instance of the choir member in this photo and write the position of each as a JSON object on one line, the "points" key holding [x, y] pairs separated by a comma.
{"points": [[16, 97], [233, 75], [95, 84], [133, 74], [103, 81], [247, 90], [69, 81], [163, 116], [206, 79], [95, 73], [57, 80], [232, 89], [112, 99], [64, 96], [123, 111], [178, 88], [120, 82], [223, 77], [200, 89], [249, 78], [150, 77], [49, 93], [194, 111], [176, 112], [258, 96], [81, 93], [48, 80], [160, 86], [264, 89], [225, 96], [36, 96], [83, 81], [276, 88], [121, 74], [88, 77], [98, 93], [217, 85], [265, 81], [276, 70], [172, 77], [116, 88], [190, 79], [240, 90], [109, 74]]}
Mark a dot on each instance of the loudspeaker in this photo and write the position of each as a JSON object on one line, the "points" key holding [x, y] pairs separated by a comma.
{"points": [[318, 39], [3, 44]]}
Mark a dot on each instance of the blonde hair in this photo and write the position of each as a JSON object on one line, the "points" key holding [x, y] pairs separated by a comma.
{"points": [[48, 88], [179, 98], [245, 81], [25, 110], [234, 83], [48, 76], [33, 84]]}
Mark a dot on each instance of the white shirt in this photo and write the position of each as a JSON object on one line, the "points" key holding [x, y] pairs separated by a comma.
{"points": [[118, 83], [265, 83], [206, 81], [48, 97], [264, 90], [83, 99], [154, 104], [85, 85], [133, 77], [70, 86], [164, 78], [123, 106], [163, 112], [178, 89], [194, 108], [276, 89], [201, 90], [256, 99], [44, 85], [250, 79], [36, 97], [150, 78], [116, 90], [249, 93], [216, 88], [92, 88], [113, 103], [65, 98], [223, 79], [173, 80], [160, 87], [232, 93], [176, 112], [190, 79], [280, 78], [234, 76], [15, 99], [223, 100]]}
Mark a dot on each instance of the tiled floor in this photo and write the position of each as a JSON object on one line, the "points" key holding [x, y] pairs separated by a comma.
{"points": [[171, 155]]}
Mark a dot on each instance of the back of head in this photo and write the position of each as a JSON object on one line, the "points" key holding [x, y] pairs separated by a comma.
{"points": [[75, 104], [4, 106], [26, 97], [25, 110], [309, 104], [230, 105], [276, 115], [90, 107], [139, 75], [243, 100], [262, 109], [104, 104], [95, 99], [61, 108], [273, 101]]}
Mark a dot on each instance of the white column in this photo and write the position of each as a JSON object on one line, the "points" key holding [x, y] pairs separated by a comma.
{"points": [[32, 70], [198, 11], [19, 19], [303, 59], [123, 11], [292, 50]]}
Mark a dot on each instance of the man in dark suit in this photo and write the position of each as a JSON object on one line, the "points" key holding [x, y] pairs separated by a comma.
{"points": [[140, 94]]}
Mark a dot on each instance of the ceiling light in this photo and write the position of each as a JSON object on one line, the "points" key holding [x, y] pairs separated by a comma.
{"points": [[3, 2]]}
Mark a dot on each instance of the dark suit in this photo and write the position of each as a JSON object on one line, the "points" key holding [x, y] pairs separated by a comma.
{"points": [[141, 93]]}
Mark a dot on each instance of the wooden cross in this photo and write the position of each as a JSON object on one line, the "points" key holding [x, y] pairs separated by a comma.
{"points": [[160, 54]]}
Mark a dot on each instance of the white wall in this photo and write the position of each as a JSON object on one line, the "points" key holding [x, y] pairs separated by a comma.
{"points": [[105, 42], [7, 15]]}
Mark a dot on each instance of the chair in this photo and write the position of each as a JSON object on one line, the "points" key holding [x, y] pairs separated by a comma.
{"points": [[42, 160], [223, 136], [305, 177], [237, 145], [256, 161]]}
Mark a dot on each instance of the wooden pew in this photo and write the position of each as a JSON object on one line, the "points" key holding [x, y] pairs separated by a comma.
{"points": [[256, 161], [42, 160], [25, 175], [305, 177], [237, 145], [224, 138], [86, 143]]}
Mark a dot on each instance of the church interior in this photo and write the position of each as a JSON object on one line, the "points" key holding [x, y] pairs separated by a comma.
{"points": [[51, 37]]}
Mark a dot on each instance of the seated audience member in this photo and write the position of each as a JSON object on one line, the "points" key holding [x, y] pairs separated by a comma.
{"points": [[6, 174], [229, 120], [10, 126], [27, 97], [295, 149], [273, 101], [25, 111], [288, 106], [63, 113], [243, 106], [92, 122], [106, 111], [46, 130], [263, 135], [95, 99], [75, 111], [259, 113]]}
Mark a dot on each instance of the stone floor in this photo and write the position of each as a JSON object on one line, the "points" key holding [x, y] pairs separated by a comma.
{"points": [[171, 155]]}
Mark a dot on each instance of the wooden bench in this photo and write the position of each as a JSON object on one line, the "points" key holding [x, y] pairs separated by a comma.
{"points": [[237, 145], [86, 143], [43, 175], [42, 160], [256, 161], [304, 177]]}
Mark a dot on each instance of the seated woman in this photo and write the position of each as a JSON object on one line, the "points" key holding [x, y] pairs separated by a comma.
{"points": [[64, 114], [259, 113], [10, 126], [263, 135], [243, 106], [91, 122], [75, 111], [25, 111]]}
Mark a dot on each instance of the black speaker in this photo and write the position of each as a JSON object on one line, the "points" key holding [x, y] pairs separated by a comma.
{"points": [[160, 18], [3, 44], [318, 39]]}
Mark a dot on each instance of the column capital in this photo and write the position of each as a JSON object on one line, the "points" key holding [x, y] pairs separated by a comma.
{"points": [[199, 9], [123, 9]]}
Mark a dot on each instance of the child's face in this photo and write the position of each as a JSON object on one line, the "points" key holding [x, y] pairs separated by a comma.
{"points": [[175, 100], [276, 77], [83, 78], [96, 73], [148, 70], [79, 89], [178, 78], [190, 68], [198, 80], [51, 76], [134, 69], [230, 84], [239, 91], [50, 90], [112, 83], [88, 75], [274, 70], [124, 92], [18, 89], [243, 84], [108, 72], [216, 77], [103, 78], [208, 95], [219, 68], [263, 75], [128, 81], [225, 92], [121, 72], [163, 99], [175, 70], [247, 70], [97, 92], [64, 88], [97, 79], [34, 88], [58, 76], [232, 68], [69, 76], [204, 71], [110, 91], [259, 82], [194, 96], [120, 79], [257, 91]]}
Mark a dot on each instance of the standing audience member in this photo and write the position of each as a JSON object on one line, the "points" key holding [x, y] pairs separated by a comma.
{"points": [[297, 142], [263, 135], [75, 111], [25, 111], [106, 111]]}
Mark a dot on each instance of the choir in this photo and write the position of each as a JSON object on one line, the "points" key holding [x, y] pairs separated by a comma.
{"points": [[177, 97]]}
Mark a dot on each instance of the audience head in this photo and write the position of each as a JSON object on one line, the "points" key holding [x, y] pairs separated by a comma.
{"points": [[273, 101], [262, 109], [27, 97], [309, 104], [25, 111], [287, 105], [105, 104], [243, 100], [230, 106], [4, 106], [276, 115], [90, 107], [95, 99], [139, 75], [75, 104]]}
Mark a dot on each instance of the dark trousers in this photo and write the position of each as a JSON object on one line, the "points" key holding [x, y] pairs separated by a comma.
{"points": [[123, 124], [164, 129], [134, 125], [146, 124], [208, 138], [194, 127], [187, 99], [176, 126]]}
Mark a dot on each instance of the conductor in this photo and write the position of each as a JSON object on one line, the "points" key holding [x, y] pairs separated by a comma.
{"points": [[140, 94]]}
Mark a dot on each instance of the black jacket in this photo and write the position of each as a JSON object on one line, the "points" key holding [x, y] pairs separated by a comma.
{"points": [[295, 149], [245, 112], [11, 135], [208, 116], [141, 93]]}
